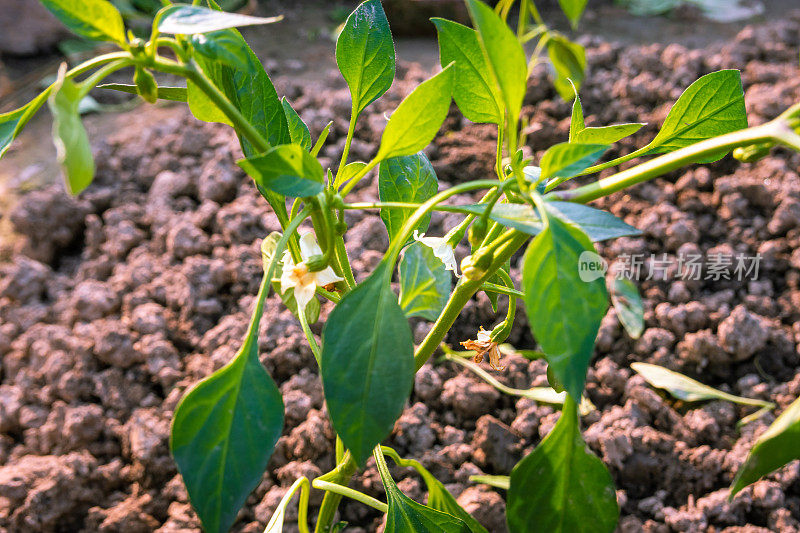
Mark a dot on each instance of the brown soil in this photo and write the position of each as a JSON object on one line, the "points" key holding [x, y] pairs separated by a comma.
{"points": [[116, 302]]}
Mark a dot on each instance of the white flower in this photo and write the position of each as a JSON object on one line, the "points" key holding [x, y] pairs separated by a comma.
{"points": [[441, 249], [298, 277]]}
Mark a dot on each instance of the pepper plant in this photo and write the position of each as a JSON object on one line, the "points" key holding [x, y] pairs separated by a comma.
{"points": [[225, 428]]}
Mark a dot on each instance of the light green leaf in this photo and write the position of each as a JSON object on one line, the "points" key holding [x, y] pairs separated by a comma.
{"points": [[711, 106], [98, 20], [349, 171], [411, 179], [419, 116], [776, 447], [474, 89], [576, 122], [186, 19], [504, 53], [12, 123], [573, 9], [297, 128], [175, 94], [424, 283], [367, 365], [564, 311], [275, 524], [286, 169], [562, 487], [569, 63], [365, 54], [224, 46], [499, 482], [687, 389], [608, 134], [566, 160], [72, 143], [628, 304]]}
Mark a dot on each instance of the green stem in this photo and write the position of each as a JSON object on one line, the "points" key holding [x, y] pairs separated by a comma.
{"points": [[344, 262], [312, 342], [350, 493], [340, 475], [351, 129], [468, 209], [499, 289]]}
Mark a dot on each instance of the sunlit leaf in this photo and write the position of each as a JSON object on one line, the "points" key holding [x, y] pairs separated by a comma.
{"points": [[569, 63], [186, 19], [224, 46], [566, 160], [424, 283], [408, 179], [628, 304], [297, 128], [573, 9], [98, 20], [12, 123], [287, 169], [175, 94]]}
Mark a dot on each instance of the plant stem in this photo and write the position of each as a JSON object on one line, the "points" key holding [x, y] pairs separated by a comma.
{"points": [[350, 493], [351, 129], [330, 502], [312, 342]]}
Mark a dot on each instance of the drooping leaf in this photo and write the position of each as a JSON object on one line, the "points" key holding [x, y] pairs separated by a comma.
{"points": [[367, 364], [297, 128], [286, 169], [569, 63], [225, 429], [566, 160], [12, 123], [408, 179], [275, 524], [73, 150], [222, 45], [687, 389], [365, 54], [98, 20], [175, 94], [711, 106], [505, 55], [424, 282], [564, 311], [187, 19], [573, 9], [776, 447], [562, 487], [474, 88], [419, 116], [628, 304]]}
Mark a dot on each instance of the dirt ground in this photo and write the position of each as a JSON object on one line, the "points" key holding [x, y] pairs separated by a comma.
{"points": [[114, 303]]}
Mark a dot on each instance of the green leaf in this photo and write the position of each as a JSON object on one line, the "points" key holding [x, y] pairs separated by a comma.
{"points": [[407, 516], [286, 169], [504, 53], [12, 123], [175, 94], [225, 429], [72, 143], [367, 364], [98, 20], [569, 62], [224, 46], [562, 487], [711, 106], [687, 389], [419, 116], [628, 304], [576, 121], [297, 128], [349, 171], [499, 482], [564, 311], [275, 524], [440, 499], [186, 19], [365, 54], [410, 179], [776, 447], [608, 134], [573, 9], [474, 89], [566, 160], [424, 282]]}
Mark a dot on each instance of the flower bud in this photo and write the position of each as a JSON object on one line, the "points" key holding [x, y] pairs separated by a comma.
{"points": [[477, 265], [752, 153], [146, 85], [477, 232]]}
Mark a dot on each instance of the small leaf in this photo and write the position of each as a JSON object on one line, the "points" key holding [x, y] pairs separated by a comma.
{"points": [[409, 179], [185, 19], [349, 171], [419, 116], [504, 53], [365, 54], [297, 128], [607, 134], [72, 143], [499, 482], [687, 389], [98, 20], [628, 304], [711, 106], [474, 89], [566, 160], [12, 123], [175, 94], [576, 122], [224, 46], [562, 487], [424, 282], [564, 311], [573, 9], [287, 169], [569, 62], [367, 364], [775, 448]]}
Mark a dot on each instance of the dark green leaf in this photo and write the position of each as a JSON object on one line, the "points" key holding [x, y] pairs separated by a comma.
{"points": [[419, 116], [566, 160], [287, 169], [365, 54], [367, 364], [440, 499], [410, 179], [297, 128], [777, 446], [562, 487], [69, 135], [505, 54], [711, 106], [175, 94], [569, 62], [564, 311], [474, 89], [573, 9], [224, 431], [628, 304], [224, 46], [424, 282], [98, 20], [11, 123], [186, 19]]}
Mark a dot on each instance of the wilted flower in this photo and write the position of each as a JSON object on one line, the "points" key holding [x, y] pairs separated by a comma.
{"points": [[483, 346], [300, 278], [441, 249]]}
